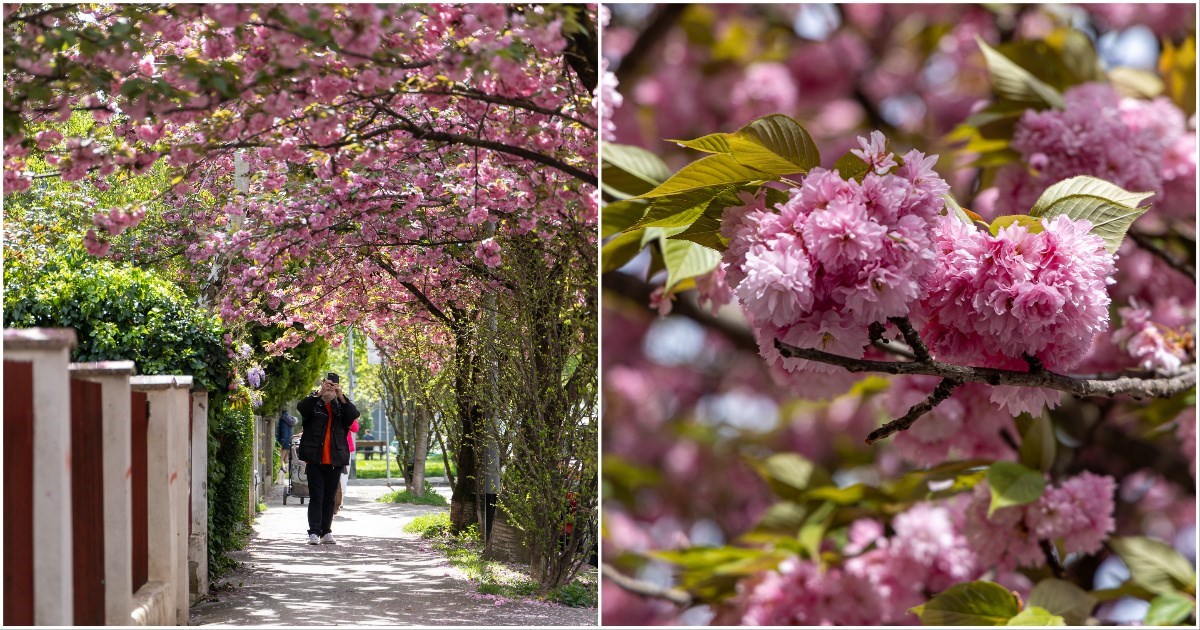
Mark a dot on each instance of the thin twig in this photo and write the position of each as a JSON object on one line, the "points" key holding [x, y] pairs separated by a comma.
{"points": [[912, 338], [1158, 387], [903, 423], [645, 589], [1147, 243]]}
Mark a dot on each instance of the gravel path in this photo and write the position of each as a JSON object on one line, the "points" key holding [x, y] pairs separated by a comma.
{"points": [[376, 575]]}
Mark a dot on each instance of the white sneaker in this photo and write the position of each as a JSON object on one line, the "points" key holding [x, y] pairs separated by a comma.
{"points": [[312, 539], [327, 539]]}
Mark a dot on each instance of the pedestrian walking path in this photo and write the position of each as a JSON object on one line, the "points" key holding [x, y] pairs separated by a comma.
{"points": [[376, 575]]}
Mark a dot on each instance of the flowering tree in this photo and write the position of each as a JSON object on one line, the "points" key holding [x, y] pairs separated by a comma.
{"points": [[325, 165], [965, 488]]}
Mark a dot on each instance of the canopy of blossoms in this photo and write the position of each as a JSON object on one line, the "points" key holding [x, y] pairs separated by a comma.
{"points": [[327, 164]]}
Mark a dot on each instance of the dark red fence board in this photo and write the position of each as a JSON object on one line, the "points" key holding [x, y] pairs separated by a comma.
{"points": [[191, 424], [18, 493], [87, 501], [140, 513]]}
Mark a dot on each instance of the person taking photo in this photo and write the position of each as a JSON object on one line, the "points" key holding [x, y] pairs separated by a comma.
{"points": [[326, 415]]}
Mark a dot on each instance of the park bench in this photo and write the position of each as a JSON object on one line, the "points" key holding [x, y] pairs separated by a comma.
{"points": [[369, 447]]}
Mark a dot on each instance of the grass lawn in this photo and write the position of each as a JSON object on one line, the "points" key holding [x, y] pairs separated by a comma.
{"points": [[375, 468]]}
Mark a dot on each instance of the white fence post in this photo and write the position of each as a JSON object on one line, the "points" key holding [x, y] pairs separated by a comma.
{"points": [[113, 377], [198, 540], [48, 349], [167, 484]]}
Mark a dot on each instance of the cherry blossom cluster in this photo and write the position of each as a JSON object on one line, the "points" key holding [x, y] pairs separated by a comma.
{"points": [[879, 581], [837, 256], [1147, 342], [1135, 144], [117, 220], [992, 301], [1078, 512]]}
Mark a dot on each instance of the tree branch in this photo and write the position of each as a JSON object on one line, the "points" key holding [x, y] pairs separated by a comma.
{"points": [[1146, 242], [912, 339], [1158, 387], [903, 423], [645, 589], [639, 292]]}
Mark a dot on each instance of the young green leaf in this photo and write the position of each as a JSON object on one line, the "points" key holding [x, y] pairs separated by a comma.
{"points": [[714, 170], [979, 603], [1015, 83], [789, 475], [784, 137], [629, 171], [1170, 609], [1038, 446], [685, 259], [1032, 224], [1088, 186], [851, 166], [620, 250], [712, 143], [1036, 616], [619, 216], [705, 231], [1013, 484], [1155, 565], [1063, 598], [1109, 208], [681, 210]]}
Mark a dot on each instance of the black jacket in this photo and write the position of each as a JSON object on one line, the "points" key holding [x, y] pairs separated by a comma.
{"points": [[312, 412]]}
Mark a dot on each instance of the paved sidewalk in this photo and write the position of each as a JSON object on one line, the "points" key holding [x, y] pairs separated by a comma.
{"points": [[375, 575]]}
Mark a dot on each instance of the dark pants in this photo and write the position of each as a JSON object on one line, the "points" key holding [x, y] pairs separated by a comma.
{"points": [[323, 483]]}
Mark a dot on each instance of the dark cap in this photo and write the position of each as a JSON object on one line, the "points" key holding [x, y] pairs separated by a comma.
{"points": [[332, 377]]}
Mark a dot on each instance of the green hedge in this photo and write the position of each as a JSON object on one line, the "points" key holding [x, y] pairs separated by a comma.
{"points": [[119, 313]]}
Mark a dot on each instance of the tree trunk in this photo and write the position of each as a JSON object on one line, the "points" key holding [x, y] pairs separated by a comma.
{"points": [[463, 512], [416, 485]]}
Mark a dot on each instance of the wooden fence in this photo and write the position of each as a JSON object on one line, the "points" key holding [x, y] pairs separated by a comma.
{"points": [[105, 489]]}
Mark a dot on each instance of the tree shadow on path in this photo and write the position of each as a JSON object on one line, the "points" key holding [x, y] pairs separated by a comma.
{"points": [[375, 575]]}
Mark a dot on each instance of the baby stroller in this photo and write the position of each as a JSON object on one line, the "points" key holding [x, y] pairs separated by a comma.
{"points": [[297, 478]]}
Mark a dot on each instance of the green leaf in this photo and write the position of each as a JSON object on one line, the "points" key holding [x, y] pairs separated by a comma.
{"points": [[789, 475], [683, 209], [954, 209], [1038, 446], [1135, 82], [619, 216], [814, 529], [1170, 609], [785, 517], [712, 171], [784, 137], [685, 259], [1036, 616], [1110, 208], [1063, 598], [1155, 565], [629, 171], [979, 603], [1086, 185], [620, 250], [851, 166], [1013, 484], [712, 143], [705, 231], [1031, 223], [1015, 83]]}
